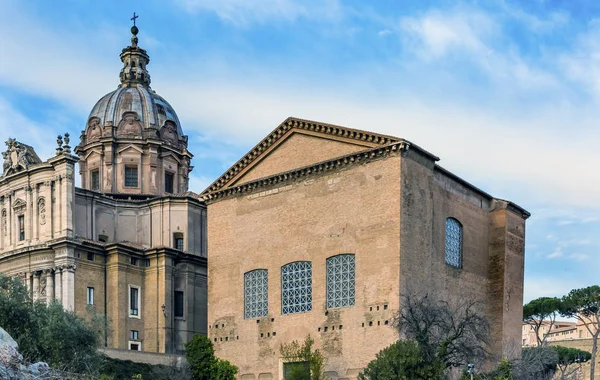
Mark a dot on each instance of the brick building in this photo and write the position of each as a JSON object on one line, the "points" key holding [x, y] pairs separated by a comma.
{"points": [[320, 229]]}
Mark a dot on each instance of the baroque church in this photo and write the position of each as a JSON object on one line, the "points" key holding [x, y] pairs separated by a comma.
{"points": [[318, 230]]}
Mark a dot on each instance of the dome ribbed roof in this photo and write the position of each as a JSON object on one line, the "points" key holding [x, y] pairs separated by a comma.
{"points": [[152, 109]]}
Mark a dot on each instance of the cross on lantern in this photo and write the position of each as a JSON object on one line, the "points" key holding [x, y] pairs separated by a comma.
{"points": [[134, 18]]}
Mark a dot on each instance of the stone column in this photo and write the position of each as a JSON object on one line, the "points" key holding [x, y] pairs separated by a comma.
{"points": [[49, 285], [36, 286], [58, 282], [68, 287]]}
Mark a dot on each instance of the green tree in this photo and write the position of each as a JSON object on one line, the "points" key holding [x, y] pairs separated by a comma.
{"points": [[402, 360], [47, 332], [568, 356], [204, 365], [539, 311], [304, 362], [584, 305]]}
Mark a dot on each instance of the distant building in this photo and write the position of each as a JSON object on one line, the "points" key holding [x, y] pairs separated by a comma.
{"points": [[560, 331], [131, 242]]}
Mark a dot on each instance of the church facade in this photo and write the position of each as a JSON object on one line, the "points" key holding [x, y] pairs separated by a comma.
{"points": [[130, 243], [324, 228]]}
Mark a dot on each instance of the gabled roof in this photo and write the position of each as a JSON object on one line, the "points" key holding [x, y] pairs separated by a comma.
{"points": [[367, 139]]}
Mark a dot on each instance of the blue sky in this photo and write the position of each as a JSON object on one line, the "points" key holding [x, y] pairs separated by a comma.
{"points": [[507, 93]]}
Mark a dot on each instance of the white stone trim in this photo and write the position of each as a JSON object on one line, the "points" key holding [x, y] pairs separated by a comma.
{"points": [[139, 301]]}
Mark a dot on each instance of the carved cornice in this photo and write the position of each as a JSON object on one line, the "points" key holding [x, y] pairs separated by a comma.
{"points": [[321, 167], [300, 124]]}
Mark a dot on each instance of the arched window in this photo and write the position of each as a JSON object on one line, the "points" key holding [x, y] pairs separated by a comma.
{"points": [[340, 281], [453, 242], [296, 287], [256, 293]]}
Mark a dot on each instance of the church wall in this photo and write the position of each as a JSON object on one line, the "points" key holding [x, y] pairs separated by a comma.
{"points": [[355, 210], [89, 274]]}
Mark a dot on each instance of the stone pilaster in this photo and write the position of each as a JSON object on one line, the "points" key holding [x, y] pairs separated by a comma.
{"points": [[68, 287], [58, 282], [49, 285], [36, 286]]}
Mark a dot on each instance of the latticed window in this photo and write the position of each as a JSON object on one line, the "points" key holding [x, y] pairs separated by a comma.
{"points": [[256, 293], [340, 281], [453, 242], [95, 179], [131, 176], [296, 287]]}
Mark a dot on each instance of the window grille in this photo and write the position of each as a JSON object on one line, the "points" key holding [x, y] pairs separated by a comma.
{"points": [[453, 242], [340, 281], [131, 176], [256, 293], [296, 287]]}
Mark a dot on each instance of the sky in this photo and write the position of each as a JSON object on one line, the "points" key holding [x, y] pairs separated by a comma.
{"points": [[505, 92]]}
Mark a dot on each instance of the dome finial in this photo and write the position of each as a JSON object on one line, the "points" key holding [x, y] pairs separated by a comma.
{"points": [[134, 31]]}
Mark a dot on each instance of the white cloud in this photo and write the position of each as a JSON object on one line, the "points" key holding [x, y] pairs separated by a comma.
{"points": [[384, 32], [244, 12], [579, 256], [555, 254], [550, 285]]}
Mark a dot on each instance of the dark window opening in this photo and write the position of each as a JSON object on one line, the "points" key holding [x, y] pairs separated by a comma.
{"points": [[178, 304], [134, 335], [178, 241], [95, 180], [21, 227], [102, 238], [134, 301], [90, 256], [134, 346], [134, 261], [169, 179]]}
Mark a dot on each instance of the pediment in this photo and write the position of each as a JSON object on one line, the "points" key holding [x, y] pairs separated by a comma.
{"points": [[130, 148], [297, 143], [91, 152], [18, 204], [172, 155]]}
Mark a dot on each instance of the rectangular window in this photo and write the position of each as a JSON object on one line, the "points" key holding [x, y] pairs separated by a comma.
{"points": [[169, 177], [340, 281], [90, 296], [102, 238], [95, 180], [131, 176], [296, 370], [134, 301], [147, 262], [133, 260], [178, 304], [134, 335], [178, 240], [21, 219], [135, 346], [90, 256]]}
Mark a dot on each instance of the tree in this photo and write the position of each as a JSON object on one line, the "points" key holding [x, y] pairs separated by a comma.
{"points": [[48, 332], [204, 365], [454, 336], [540, 310], [304, 362], [401, 360], [568, 356], [584, 305]]}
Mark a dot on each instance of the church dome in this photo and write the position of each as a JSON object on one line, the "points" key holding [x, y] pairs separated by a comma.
{"points": [[152, 110], [134, 101]]}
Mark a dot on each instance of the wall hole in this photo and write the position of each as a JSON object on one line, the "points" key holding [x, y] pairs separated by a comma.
{"points": [[370, 323], [340, 327], [378, 323], [385, 323], [384, 307], [377, 308]]}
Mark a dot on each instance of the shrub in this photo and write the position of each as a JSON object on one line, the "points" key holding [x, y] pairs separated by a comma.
{"points": [[203, 363], [304, 362], [402, 360]]}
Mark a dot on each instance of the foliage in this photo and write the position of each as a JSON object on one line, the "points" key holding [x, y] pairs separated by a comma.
{"points": [[306, 353], [48, 332], [540, 310], [503, 371], [453, 336], [568, 356], [537, 363], [401, 360], [203, 363], [584, 305], [115, 369]]}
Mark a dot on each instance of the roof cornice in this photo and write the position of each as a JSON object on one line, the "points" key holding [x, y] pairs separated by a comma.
{"points": [[299, 124], [361, 157]]}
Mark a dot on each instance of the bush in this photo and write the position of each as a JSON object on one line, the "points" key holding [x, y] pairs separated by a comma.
{"points": [[401, 360], [303, 361], [115, 369], [203, 363], [48, 333]]}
